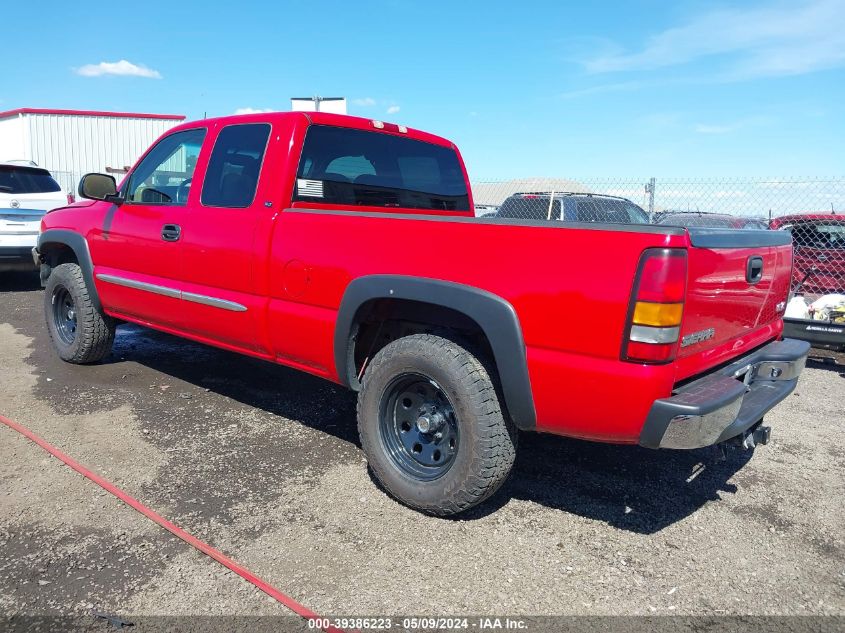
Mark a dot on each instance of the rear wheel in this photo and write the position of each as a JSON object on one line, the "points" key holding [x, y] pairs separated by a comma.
{"points": [[432, 427], [80, 333]]}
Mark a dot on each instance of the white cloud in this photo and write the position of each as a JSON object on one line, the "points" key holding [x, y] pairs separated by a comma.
{"points": [[364, 102], [788, 38], [393, 109], [253, 110], [122, 68]]}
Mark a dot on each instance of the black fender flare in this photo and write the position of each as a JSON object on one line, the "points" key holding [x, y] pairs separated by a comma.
{"points": [[494, 315], [79, 246]]}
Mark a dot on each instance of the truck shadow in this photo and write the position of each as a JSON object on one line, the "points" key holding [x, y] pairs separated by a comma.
{"points": [[828, 363], [632, 488], [629, 487]]}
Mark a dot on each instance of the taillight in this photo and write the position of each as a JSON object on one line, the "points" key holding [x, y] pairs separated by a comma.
{"points": [[657, 307], [71, 198]]}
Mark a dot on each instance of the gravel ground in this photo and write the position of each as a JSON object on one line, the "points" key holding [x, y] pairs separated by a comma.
{"points": [[264, 463]]}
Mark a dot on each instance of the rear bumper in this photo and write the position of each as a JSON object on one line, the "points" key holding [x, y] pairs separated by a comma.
{"points": [[728, 401], [817, 333], [16, 257]]}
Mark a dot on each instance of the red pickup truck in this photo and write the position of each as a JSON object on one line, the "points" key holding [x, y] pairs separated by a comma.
{"points": [[347, 248]]}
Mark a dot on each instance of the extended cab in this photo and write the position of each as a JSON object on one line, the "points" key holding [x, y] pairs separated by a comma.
{"points": [[347, 248]]}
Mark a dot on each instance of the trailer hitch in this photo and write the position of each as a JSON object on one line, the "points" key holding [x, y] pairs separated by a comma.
{"points": [[757, 434]]}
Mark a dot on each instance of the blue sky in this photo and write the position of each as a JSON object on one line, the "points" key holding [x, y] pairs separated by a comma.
{"points": [[627, 89]]}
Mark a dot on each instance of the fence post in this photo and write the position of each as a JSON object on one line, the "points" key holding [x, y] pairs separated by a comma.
{"points": [[649, 188]]}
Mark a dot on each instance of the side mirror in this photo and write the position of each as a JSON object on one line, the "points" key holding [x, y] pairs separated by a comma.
{"points": [[99, 187]]}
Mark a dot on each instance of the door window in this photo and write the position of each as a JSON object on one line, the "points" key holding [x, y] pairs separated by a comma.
{"points": [[234, 166], [165, 175]]}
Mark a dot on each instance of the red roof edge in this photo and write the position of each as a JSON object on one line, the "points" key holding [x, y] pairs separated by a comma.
{"points": [[121, 115]]}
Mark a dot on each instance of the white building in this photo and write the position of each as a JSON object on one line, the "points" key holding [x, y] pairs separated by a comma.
{"points": [[71, 143], [335, 105]]}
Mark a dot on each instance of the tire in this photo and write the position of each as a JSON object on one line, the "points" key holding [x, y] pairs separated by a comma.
{"points": [[444, 386], [80, 333]]}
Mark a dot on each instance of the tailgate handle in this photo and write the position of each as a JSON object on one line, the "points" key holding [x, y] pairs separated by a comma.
{"points": [[754, 269]]}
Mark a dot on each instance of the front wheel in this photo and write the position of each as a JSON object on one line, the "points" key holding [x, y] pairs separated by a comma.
{"points": [[432, 427], [80, 333]]}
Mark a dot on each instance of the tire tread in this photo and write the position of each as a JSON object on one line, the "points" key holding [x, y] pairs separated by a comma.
{"points": [[94, 330], [493, 455]]}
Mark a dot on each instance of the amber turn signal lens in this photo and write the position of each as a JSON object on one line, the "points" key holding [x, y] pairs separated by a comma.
{"points": [[658, 314]]}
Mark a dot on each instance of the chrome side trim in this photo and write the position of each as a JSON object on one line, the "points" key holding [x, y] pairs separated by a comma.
{"points": [[214, 302], [173, 293]]}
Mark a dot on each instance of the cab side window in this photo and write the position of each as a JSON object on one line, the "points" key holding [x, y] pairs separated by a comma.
{"points": [[165, 174], [234, 166]]}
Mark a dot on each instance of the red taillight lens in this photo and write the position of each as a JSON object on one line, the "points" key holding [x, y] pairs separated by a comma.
{"points": [[662, 276], [656, 307], [651, 352]]}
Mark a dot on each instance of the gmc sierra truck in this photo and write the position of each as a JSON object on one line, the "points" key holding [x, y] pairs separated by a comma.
{"points": [[348, 248]]}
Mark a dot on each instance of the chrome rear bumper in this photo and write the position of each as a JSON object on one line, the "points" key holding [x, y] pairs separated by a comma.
{"points": [[728, 401]]}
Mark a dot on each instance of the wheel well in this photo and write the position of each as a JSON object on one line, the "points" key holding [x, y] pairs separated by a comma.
{"points": [[380, 321], [56, 253]]}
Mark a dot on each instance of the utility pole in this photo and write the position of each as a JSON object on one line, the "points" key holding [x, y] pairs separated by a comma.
{"points": [[649, 189]]}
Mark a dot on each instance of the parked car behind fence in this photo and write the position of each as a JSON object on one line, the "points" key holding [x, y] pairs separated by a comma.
{"points": [[817, 307]]}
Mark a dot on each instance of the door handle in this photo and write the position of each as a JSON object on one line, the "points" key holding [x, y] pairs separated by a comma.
{"points": [[171, 232], [754, 269]]}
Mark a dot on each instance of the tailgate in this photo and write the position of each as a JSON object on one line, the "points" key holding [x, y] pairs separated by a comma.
{"points": [[737, 284], [42, 202]]}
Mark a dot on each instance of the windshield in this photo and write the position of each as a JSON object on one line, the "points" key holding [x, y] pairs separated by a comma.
{"points": [[18, 179]]}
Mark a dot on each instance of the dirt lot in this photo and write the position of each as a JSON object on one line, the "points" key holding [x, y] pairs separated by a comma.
{"points": [[264, 464]]}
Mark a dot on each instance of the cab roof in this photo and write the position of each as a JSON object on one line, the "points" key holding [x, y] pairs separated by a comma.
{"points": [[809, 217], [324, 118]]}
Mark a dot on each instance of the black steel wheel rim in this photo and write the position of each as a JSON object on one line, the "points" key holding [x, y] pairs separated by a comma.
{"points": [[64, 315], [418, 427]]}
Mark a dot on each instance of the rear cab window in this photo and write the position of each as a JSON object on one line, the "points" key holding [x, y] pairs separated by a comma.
{"points": [[19, 179], [351, 167]]}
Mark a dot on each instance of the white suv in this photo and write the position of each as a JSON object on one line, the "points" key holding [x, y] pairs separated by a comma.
{"points": [[27, 192]]}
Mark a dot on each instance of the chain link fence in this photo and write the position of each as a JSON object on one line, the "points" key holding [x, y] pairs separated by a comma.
{"points": [[812, 209]]}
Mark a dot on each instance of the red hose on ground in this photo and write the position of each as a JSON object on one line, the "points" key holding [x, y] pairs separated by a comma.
{"points": [[244, 573]]}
